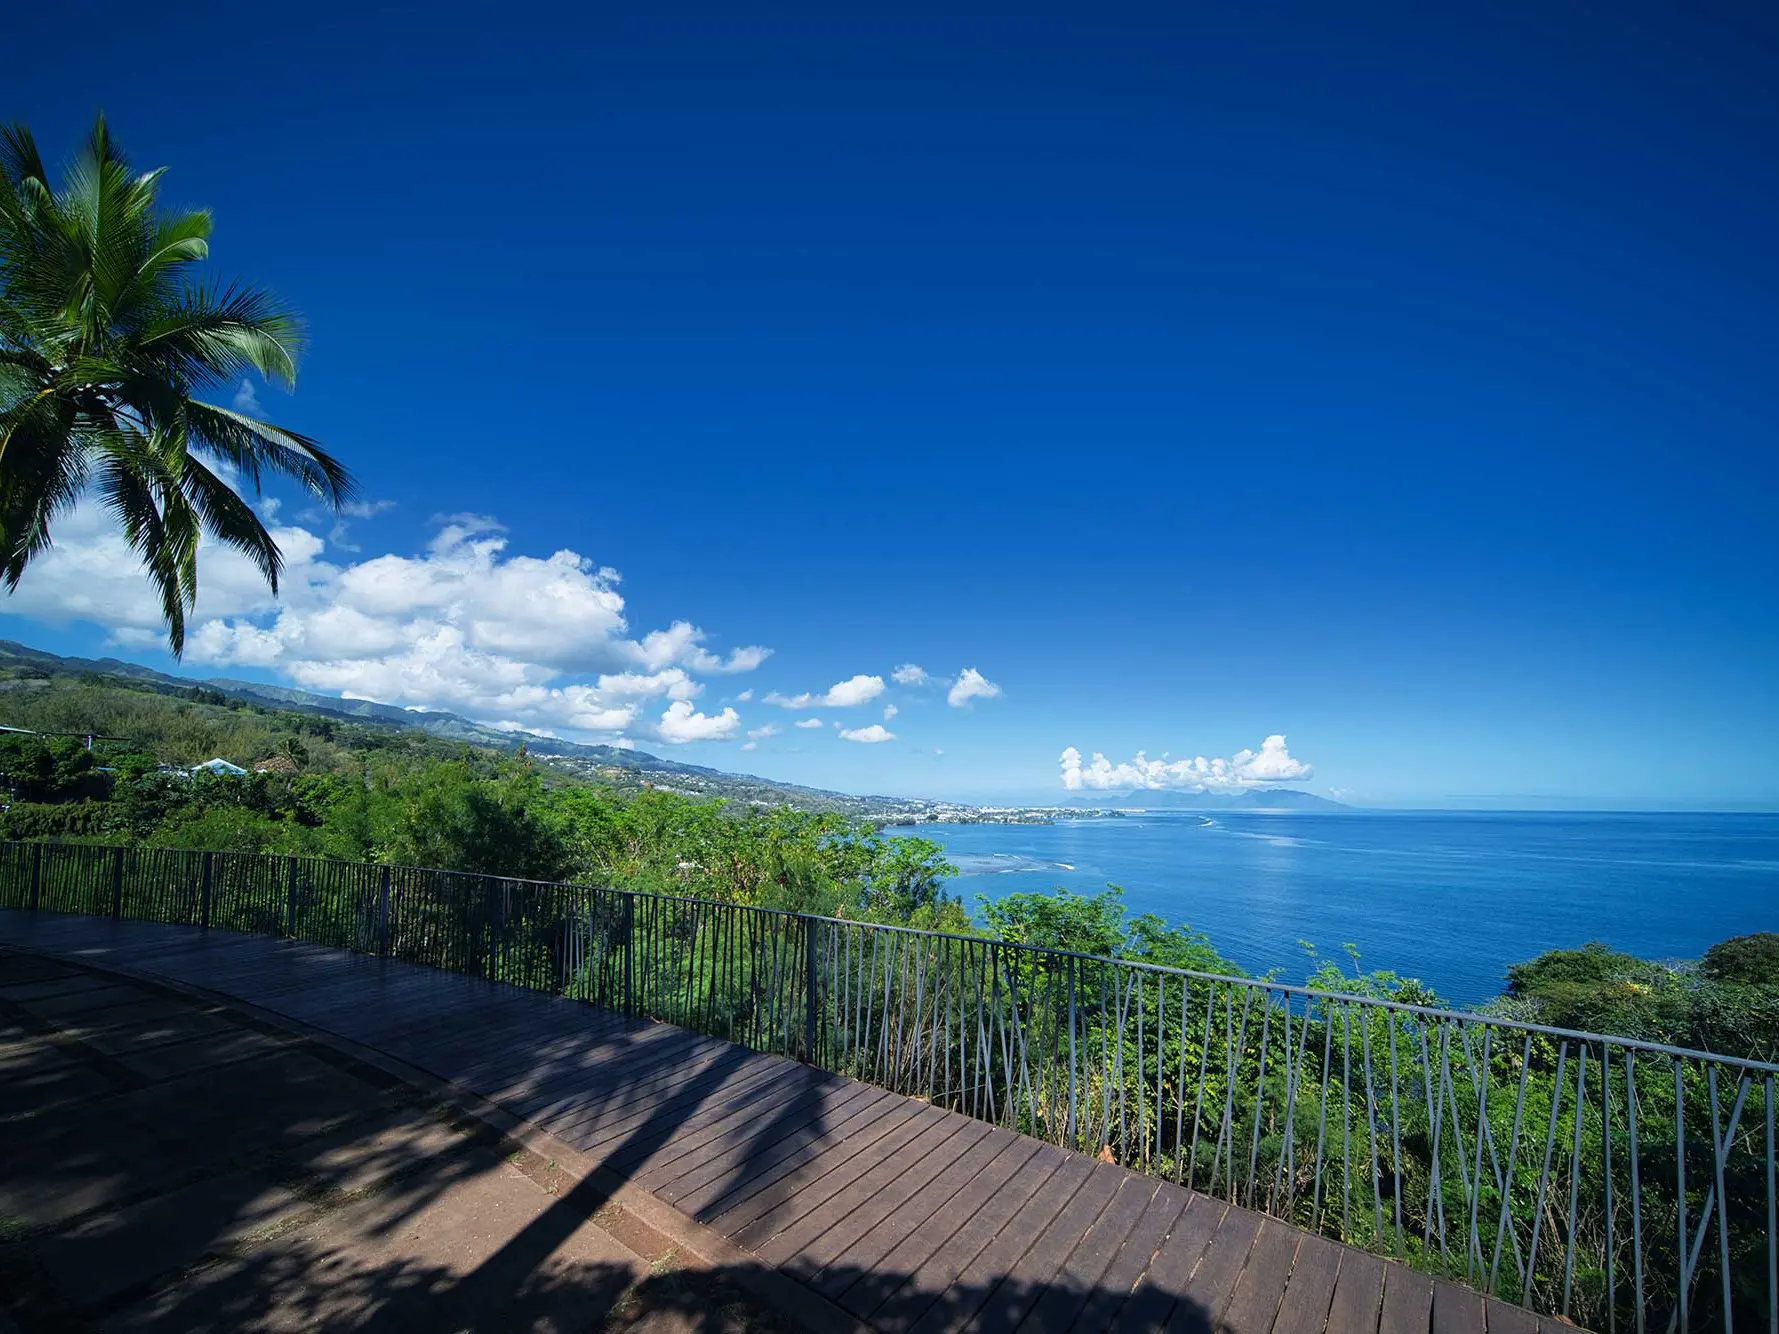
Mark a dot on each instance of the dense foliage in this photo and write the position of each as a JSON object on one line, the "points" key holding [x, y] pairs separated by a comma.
{"points": [[327, 788], [1728, 1003]]}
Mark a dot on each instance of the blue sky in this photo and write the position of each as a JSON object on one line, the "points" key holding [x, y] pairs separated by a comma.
{"points": [[1398, 383]]}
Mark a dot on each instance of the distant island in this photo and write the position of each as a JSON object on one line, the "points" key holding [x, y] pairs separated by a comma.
{"points": [[1251, 799]]}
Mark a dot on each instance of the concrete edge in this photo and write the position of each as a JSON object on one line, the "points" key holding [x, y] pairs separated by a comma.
{"points": [[805, 1308]]}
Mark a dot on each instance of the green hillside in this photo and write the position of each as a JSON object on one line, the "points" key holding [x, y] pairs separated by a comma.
{"points": [[245, 721]]}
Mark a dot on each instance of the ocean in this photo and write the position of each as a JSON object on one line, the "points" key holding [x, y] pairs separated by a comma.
{"points": [[1452, 898]]}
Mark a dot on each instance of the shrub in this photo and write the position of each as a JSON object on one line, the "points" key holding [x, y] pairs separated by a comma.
{"points": [[1751, 959]]}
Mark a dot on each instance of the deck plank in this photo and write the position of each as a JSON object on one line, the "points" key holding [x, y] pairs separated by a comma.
{"points": [[867, 1249], [1207, 1293], [1255, 1300], [1134, 1256], [882, 1193], [1310, 1293], [1408, 1302], [996, 1193], [857, 1185], [842, 1111], [956, 1303], [1457, 1309], [746, 1199], [1030, 1279], [1358, 1294], [1506, 1318], [1075, 1284], [757, 1130], [1154, 1297]]}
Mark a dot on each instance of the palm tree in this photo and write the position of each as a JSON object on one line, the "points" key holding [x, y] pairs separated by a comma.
{"points": [[105, 340]]}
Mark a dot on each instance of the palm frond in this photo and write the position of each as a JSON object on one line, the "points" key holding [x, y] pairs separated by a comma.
{"points": [[252, 446], [19, 157], [229, 519], [160, 526], [43, 468], [214, 337]]}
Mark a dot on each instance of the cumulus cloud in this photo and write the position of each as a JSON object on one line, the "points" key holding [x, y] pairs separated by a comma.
{"points": [[745, 695], [868, 736], [671, 682], [681, 724], [247, 400], [464, 625], [683, 642], [509, 725], [761, 733], [807, 723], [908, 674], [889, 711], [1272, 763], [970, 684], [841, 695]]}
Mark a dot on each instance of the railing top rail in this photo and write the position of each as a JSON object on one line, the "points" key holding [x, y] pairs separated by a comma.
{"points": [[1766, 1068]]}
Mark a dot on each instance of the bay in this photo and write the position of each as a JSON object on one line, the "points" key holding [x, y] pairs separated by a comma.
{"points": [[1452, 898]]}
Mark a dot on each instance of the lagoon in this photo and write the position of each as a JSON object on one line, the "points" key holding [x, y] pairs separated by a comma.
{"points": [[1452, 898]]}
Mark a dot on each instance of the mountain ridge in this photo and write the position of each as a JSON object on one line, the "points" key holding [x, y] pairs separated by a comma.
{"points": [[622, 764]]}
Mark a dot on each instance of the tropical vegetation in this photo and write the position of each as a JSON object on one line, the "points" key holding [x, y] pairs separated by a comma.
{"points": [[109, 347], [1476, 1147]]}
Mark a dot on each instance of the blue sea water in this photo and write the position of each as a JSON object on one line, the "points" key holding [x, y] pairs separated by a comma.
{"points": [[1449, 897]]}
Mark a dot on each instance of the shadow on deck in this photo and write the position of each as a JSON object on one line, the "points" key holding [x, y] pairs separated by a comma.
{"points": [[802, 1197]]}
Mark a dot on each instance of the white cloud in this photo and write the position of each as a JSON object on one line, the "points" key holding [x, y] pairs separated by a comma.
{"points": [[745, 695], [841, 695], [683, 642], [247, 401], [671, 682], [909, 675], [739, 660], [508, 725], [1272, 763], [463, 625], [971, 684], [680, 724], [761, 733], [869, 736], [889, 711], [750, 745], [807, 723]]}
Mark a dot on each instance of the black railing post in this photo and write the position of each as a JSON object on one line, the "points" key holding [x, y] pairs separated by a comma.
{"points": [[629, 952], [36, 875], [290, 896], [811, 981], [204, 899], [496, 920], [117, 885], [383, 912], [1074, 973]]}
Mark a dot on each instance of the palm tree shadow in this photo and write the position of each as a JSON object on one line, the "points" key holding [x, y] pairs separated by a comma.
{"points": [[602, 1087]]}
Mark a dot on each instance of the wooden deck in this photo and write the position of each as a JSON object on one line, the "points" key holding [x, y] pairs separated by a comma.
{"points": [[900, 1214]]}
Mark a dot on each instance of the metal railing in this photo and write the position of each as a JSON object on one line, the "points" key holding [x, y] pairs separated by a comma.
{"points": [[1621, 1184]]}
